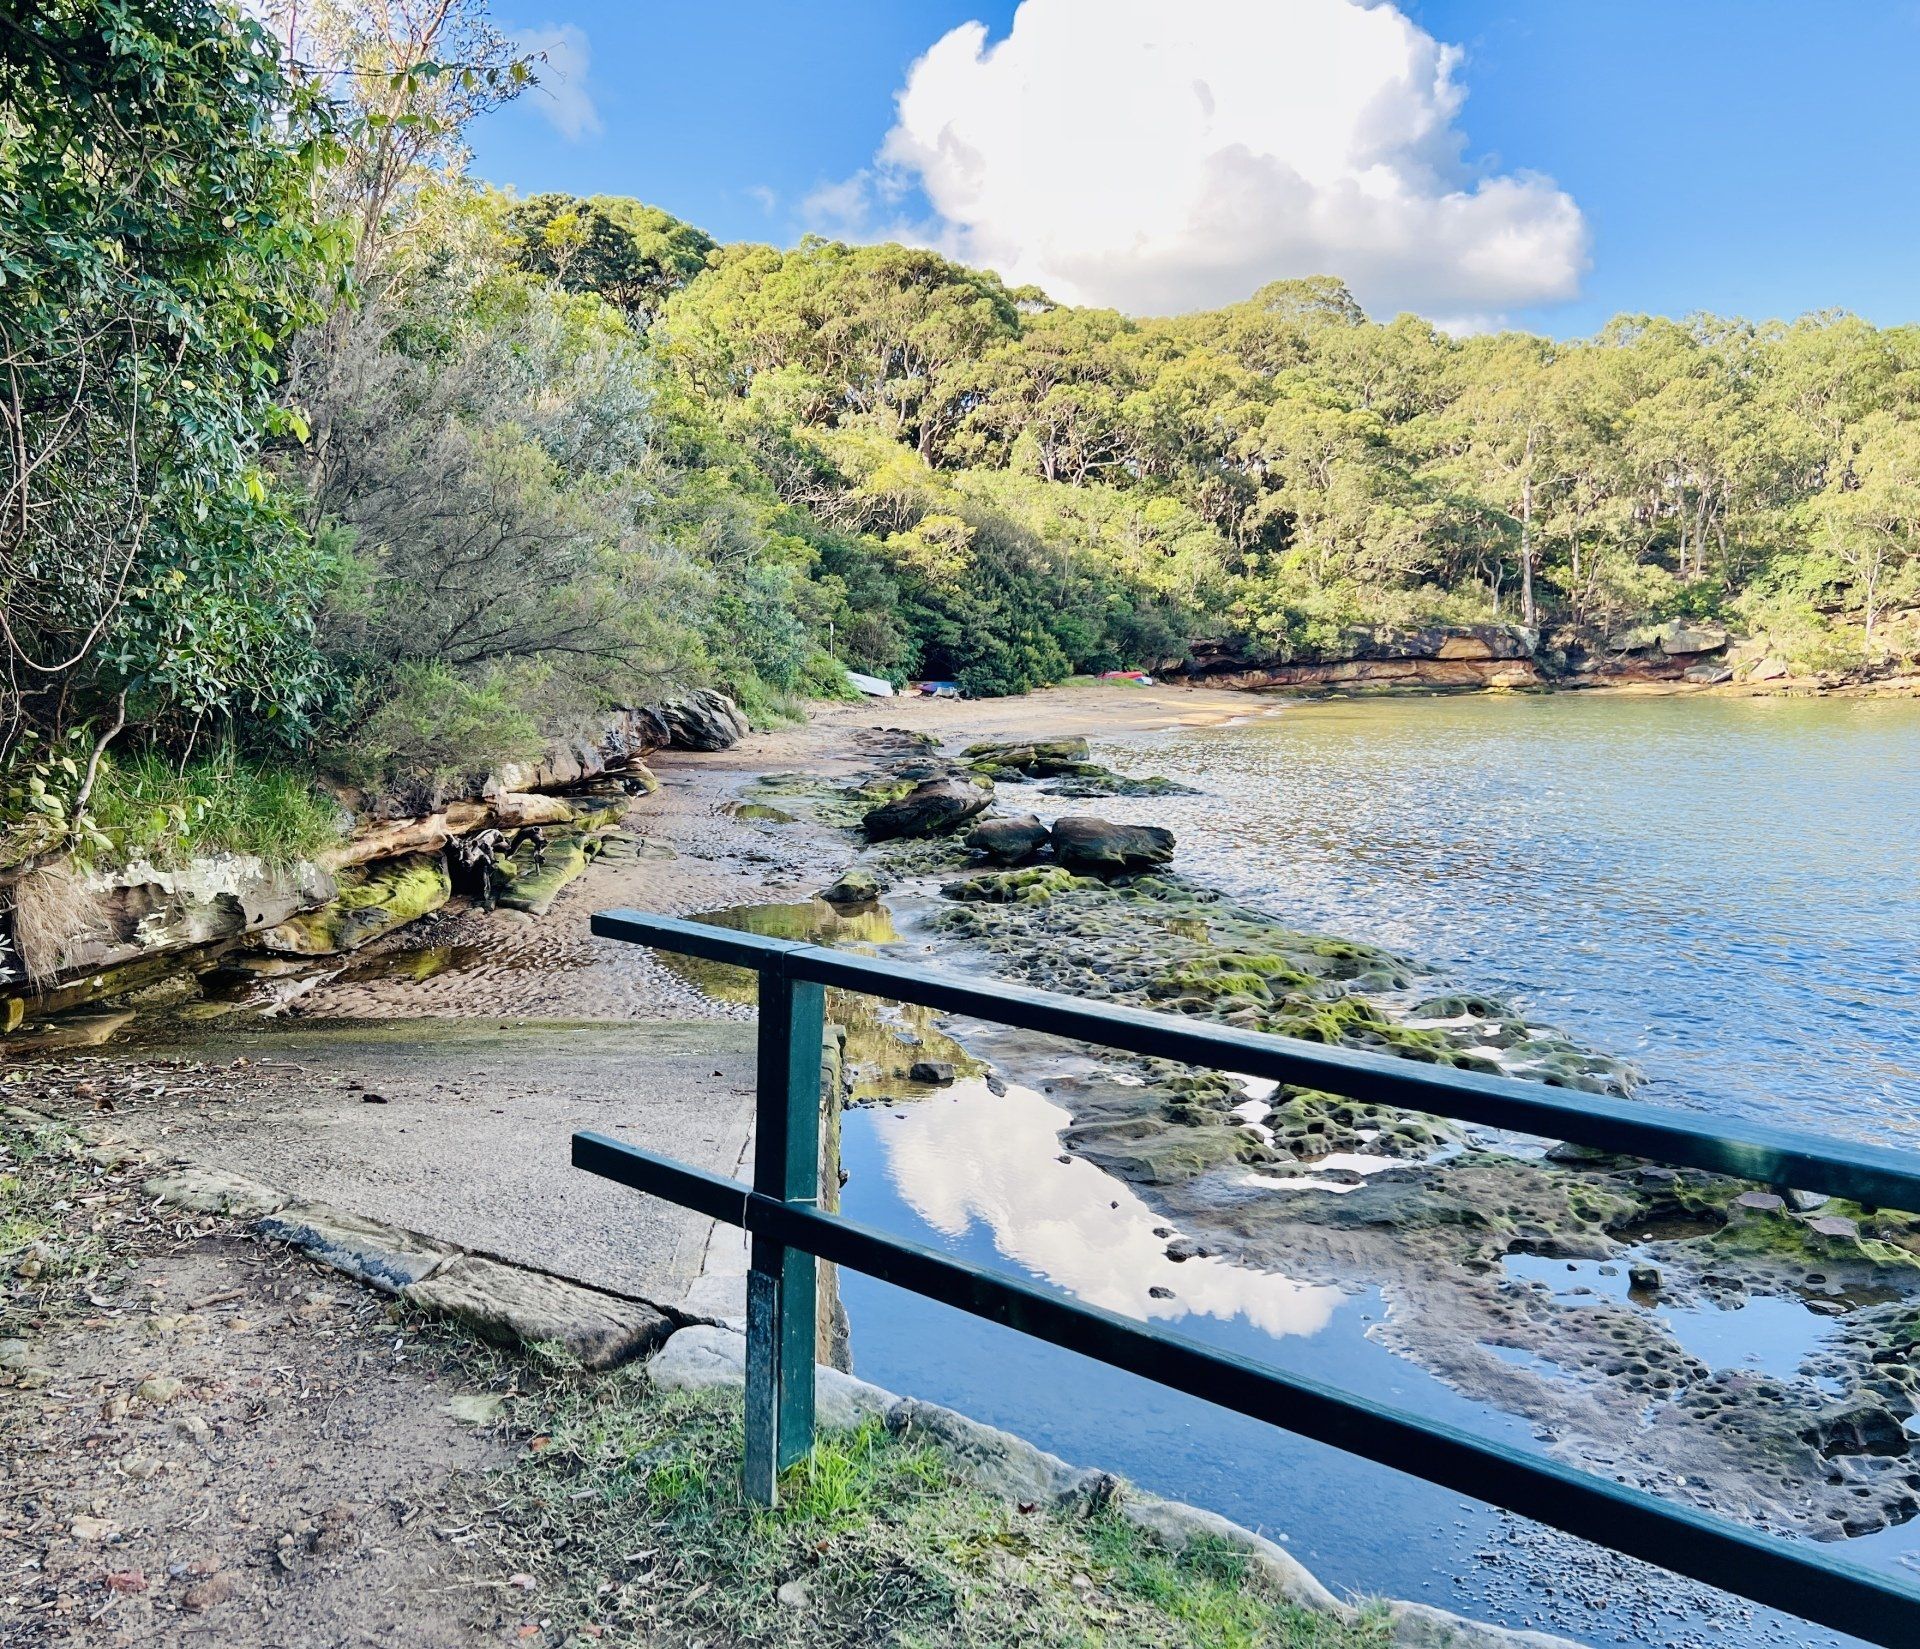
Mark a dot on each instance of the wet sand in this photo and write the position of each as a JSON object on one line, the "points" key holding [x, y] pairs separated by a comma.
{"points": [[697, 853]]}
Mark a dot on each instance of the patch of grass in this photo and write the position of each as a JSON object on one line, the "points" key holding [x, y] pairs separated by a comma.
{"points": [[627, 1509], [150, 807], [42, 1243]]}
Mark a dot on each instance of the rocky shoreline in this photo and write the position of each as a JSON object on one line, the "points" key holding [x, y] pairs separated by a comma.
{"points": [[1467, 1235], [1528, 1281], [1673, 657]]}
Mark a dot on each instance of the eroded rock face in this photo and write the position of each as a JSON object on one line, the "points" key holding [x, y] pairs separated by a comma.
{"points": [[1008, 839], [932, 807], [142, 910], [703, 720], [1100, 847]]}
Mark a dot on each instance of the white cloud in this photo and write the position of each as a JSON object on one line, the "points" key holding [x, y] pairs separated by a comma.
{"points": [[562, 95], [1162, 155]]}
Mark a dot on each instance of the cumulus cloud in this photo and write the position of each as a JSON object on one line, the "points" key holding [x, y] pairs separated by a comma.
{"points": [[1164, 155], [562, 95]]}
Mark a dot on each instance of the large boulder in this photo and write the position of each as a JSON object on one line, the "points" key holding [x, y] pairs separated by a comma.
{"points": [[1009, 838], [1103, 848], [1686, 640], [931, 808], [703, 720]]}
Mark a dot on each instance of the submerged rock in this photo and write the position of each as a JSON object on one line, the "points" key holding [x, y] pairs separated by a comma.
{"points": [[1082, 842], [932, 807], [1008, 838]]}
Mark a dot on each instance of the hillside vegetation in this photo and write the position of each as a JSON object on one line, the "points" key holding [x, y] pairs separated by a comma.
{"points": [[322, 456]]}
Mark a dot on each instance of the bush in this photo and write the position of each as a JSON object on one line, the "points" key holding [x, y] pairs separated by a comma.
{"points": [[436, 728]]}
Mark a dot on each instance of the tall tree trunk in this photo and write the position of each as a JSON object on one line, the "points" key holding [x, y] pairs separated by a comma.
{"points": [[1526, 535]]}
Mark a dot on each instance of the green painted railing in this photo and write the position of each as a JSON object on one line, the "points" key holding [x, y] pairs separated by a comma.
{"points": [[789, 1231]]}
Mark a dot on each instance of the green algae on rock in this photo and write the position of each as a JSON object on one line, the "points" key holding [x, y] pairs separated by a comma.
{"points": [[370, 903]]}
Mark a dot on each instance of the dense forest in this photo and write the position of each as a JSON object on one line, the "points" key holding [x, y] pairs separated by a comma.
{"points": [[319, 455]]}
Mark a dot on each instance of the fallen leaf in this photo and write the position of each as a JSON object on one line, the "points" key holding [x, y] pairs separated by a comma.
{"points": [[126, 1580]]}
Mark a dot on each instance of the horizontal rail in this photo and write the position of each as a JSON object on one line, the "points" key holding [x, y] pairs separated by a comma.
{"points": [[1763, 1568], [1870, 1174]]}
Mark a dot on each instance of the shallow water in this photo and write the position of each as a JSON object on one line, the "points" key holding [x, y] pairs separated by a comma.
{"points": [[1726, 891]]}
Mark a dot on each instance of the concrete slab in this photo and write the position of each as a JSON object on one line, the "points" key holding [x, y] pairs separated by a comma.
{"points": [[458, 1129]]}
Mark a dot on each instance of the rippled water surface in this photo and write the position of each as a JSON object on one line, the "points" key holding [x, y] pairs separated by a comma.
{"points": [[1728, 890]]}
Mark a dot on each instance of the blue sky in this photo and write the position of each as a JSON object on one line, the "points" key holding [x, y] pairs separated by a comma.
{"points": [[1754, 158]]}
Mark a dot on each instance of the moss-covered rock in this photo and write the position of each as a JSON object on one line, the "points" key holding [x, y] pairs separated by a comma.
{"points": [[933, 807], [373, 900], [538, 869]]}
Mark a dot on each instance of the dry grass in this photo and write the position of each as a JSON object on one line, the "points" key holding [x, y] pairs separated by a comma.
{"points": [[52, 907]]}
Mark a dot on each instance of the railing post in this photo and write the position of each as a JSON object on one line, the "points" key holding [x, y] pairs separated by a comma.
{"points": [[781, 1282]]}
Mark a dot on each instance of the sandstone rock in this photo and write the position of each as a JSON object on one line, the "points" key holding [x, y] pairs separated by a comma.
{"points": [[857, 887], [1033, 758], [382, 1255], [1644, 1279], [371, 902], [1679, 640], [1769, 669], [1008, 839], [936, 1072], [995, 1460], [428, 834], [210, 1191], [539, 870], [1709, 675], [703, 720], [931, 808], [1098, 846], [506, 1303], [140, 911], [515, 809], [1422, 1626]]}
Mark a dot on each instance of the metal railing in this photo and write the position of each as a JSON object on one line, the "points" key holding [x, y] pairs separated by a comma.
{"points": [[789, 1232]]}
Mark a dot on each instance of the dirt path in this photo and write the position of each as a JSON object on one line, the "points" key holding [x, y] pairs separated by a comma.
{"points": [[205, 1439]]}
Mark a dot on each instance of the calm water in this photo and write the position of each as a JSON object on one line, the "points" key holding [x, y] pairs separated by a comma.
{"points": [[1727, 891]]}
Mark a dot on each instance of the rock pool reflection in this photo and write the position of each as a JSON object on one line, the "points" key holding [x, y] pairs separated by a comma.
{"points": [[996, 1159]]}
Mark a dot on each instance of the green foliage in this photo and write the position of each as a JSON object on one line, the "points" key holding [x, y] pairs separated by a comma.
{"points": [[146, 806], [631, 254], [435, 724], [158, 244]]}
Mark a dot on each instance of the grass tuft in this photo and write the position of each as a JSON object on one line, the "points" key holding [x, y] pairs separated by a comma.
{"points": [[627, 1509], [222, 802]]}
